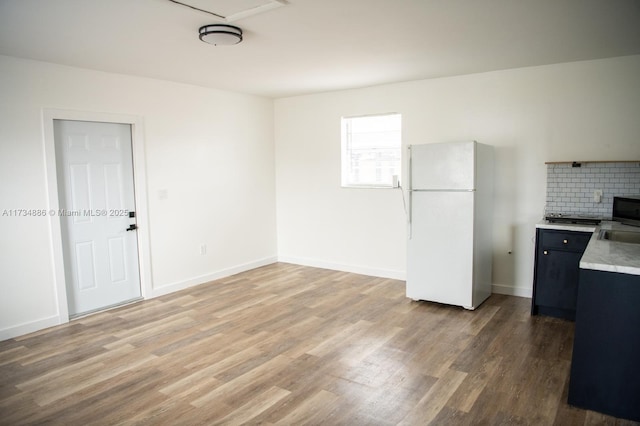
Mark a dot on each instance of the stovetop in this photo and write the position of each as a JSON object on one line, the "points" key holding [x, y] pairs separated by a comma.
{"points": [[572, 218]]}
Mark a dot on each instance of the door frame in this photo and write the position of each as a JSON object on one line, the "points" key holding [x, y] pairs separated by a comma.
{"points": [[140, 190]]}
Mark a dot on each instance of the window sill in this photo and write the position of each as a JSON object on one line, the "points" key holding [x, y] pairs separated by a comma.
{"points": [[369, 186]]}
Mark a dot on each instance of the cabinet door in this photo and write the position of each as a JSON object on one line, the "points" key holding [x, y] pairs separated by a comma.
{"points": [[557, 275], [605, 372]]}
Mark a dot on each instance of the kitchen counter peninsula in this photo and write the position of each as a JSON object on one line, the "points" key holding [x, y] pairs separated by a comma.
{"points": [[605, 363]]}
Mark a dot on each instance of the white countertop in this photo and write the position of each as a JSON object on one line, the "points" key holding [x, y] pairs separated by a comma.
{"points": [[604, 255], [566, 226]]}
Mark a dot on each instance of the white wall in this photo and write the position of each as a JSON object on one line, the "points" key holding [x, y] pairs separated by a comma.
{"points": [[212, 151], [574, 111]]}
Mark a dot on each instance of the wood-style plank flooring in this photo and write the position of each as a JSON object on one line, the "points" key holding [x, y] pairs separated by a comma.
{"points": [[288, 345]]}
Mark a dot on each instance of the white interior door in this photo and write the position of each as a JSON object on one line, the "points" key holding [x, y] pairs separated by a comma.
{"points": [[96, 195]]}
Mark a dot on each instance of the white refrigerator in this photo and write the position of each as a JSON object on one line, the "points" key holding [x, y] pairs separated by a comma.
{"points": [[450, 195]]}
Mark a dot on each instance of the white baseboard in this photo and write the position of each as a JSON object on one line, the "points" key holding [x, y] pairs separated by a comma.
{"points": [[181, 285], [356, 269], [511, 290], [29, 327], [386, 273]]}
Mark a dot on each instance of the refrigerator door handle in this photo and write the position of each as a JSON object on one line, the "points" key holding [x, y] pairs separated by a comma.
{"points": [[410, 193], [409, 223]]}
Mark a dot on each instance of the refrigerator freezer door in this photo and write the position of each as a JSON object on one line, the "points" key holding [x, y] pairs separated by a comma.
{"points": [[443, 166], [440, 252]]}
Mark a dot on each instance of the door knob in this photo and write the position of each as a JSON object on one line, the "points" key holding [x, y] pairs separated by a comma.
{"points": [[132, 227]]}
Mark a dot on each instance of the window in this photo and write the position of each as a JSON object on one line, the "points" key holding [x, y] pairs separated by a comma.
{"points": [[371, 150]]}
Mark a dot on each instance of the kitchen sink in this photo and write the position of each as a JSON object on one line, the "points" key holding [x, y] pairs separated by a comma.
{"points": [[620, 236]]}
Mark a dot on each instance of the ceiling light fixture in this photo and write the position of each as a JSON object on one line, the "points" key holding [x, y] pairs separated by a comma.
{"points": [[220, 34]]}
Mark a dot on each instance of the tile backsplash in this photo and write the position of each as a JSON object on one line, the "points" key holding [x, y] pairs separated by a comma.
{"points": [[570, 189]]}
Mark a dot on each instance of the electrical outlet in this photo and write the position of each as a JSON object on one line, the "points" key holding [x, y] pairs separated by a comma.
{"points": [[597, 196], [203, 249]]}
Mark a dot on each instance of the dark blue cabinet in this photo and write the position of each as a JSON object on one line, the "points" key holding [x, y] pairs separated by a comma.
{"points": [[605, 365], [556, 273]]}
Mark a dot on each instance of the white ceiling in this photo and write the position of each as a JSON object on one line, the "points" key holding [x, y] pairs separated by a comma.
{"points": [[309, 46]]}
